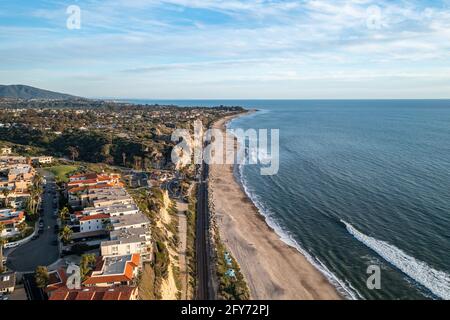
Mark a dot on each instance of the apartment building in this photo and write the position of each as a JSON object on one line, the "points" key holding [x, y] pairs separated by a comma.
{"points": [[129, 241]]}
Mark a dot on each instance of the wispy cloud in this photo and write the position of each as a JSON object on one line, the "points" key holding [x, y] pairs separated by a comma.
{"points": [[218, 43]]}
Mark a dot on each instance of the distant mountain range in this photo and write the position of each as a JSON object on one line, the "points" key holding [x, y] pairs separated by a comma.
{"points": [[27, 92]]}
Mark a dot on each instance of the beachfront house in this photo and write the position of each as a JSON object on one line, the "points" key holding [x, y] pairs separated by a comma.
{"points": [[114, 271], [129, 241]]}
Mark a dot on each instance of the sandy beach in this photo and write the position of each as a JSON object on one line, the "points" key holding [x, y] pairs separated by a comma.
{"points": [[273, 269]]}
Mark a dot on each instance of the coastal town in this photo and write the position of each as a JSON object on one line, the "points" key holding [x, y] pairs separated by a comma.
{"points": [[117, 221]]}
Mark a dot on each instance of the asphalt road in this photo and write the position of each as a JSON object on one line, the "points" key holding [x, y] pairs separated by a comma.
{"points": [[33, 292], [42, 251], [204, 291]]}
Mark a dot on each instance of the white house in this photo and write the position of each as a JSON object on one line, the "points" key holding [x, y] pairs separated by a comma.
{"points": [[10, 220], [93, 223], [113, 211], [128, 241], [42, 160]]}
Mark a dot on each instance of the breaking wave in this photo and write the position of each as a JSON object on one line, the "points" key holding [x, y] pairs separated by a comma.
{"points": [[438, 282], [344, 288]]}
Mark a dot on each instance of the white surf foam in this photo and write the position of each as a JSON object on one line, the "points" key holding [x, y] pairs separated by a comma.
{"points": [[344, 288], [438, 282]]}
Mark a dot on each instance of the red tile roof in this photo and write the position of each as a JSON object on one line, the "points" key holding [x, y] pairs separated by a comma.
{"points": [[15, 219], [84, 175], [124, 277], [95, 293], [80, 182], [94, 217], [57, 279], [79, 189]]}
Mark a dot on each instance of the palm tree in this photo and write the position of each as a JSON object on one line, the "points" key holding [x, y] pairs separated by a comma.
{"points": [[35, 194], [41, 277], [22, 227], [6, 192], [74, 153], [66, 234], [64, 213], [87, 263], [107, 225], [124, 159]]}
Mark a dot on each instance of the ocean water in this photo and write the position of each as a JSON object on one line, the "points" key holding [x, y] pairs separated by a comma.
{"points": [[361, 183]]}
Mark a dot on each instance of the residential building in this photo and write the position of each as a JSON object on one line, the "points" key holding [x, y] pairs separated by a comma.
{"points": [[56, 279], [13, 159], [129, 241], [114, 271], [93, 223], [11, 219], [42, 160], [98, 196], [17, 177], [7, 282], [130, 221], [113, 210], [92, 179], [96, 293]]}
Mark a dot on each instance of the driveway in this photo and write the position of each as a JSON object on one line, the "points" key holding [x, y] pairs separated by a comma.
{"points": [[42, 251]]}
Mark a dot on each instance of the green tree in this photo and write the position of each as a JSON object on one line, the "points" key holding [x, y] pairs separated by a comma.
{"points": [[6, 192], [41, 277], [74, 153], [35, 195], [65, 234], [22, 227], [64, 213], [87, 264]]}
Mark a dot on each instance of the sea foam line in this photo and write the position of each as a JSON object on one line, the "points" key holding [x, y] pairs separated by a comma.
{"points": [[438, 282], [345, 289]]}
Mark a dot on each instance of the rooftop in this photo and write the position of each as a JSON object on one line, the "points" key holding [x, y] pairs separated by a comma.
{"points": [[113, 209], [7, 280], [114, 269], [132, 235], [129, 220], [95, 293], [94, 217]]}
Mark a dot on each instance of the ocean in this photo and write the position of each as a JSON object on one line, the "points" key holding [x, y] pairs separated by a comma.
{"points": [[361, 183]]}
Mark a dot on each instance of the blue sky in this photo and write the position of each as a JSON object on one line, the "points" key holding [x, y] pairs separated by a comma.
{"points": [[205, 49]]}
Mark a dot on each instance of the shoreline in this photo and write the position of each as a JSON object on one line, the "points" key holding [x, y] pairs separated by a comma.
{"points": [[273, 269]]}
